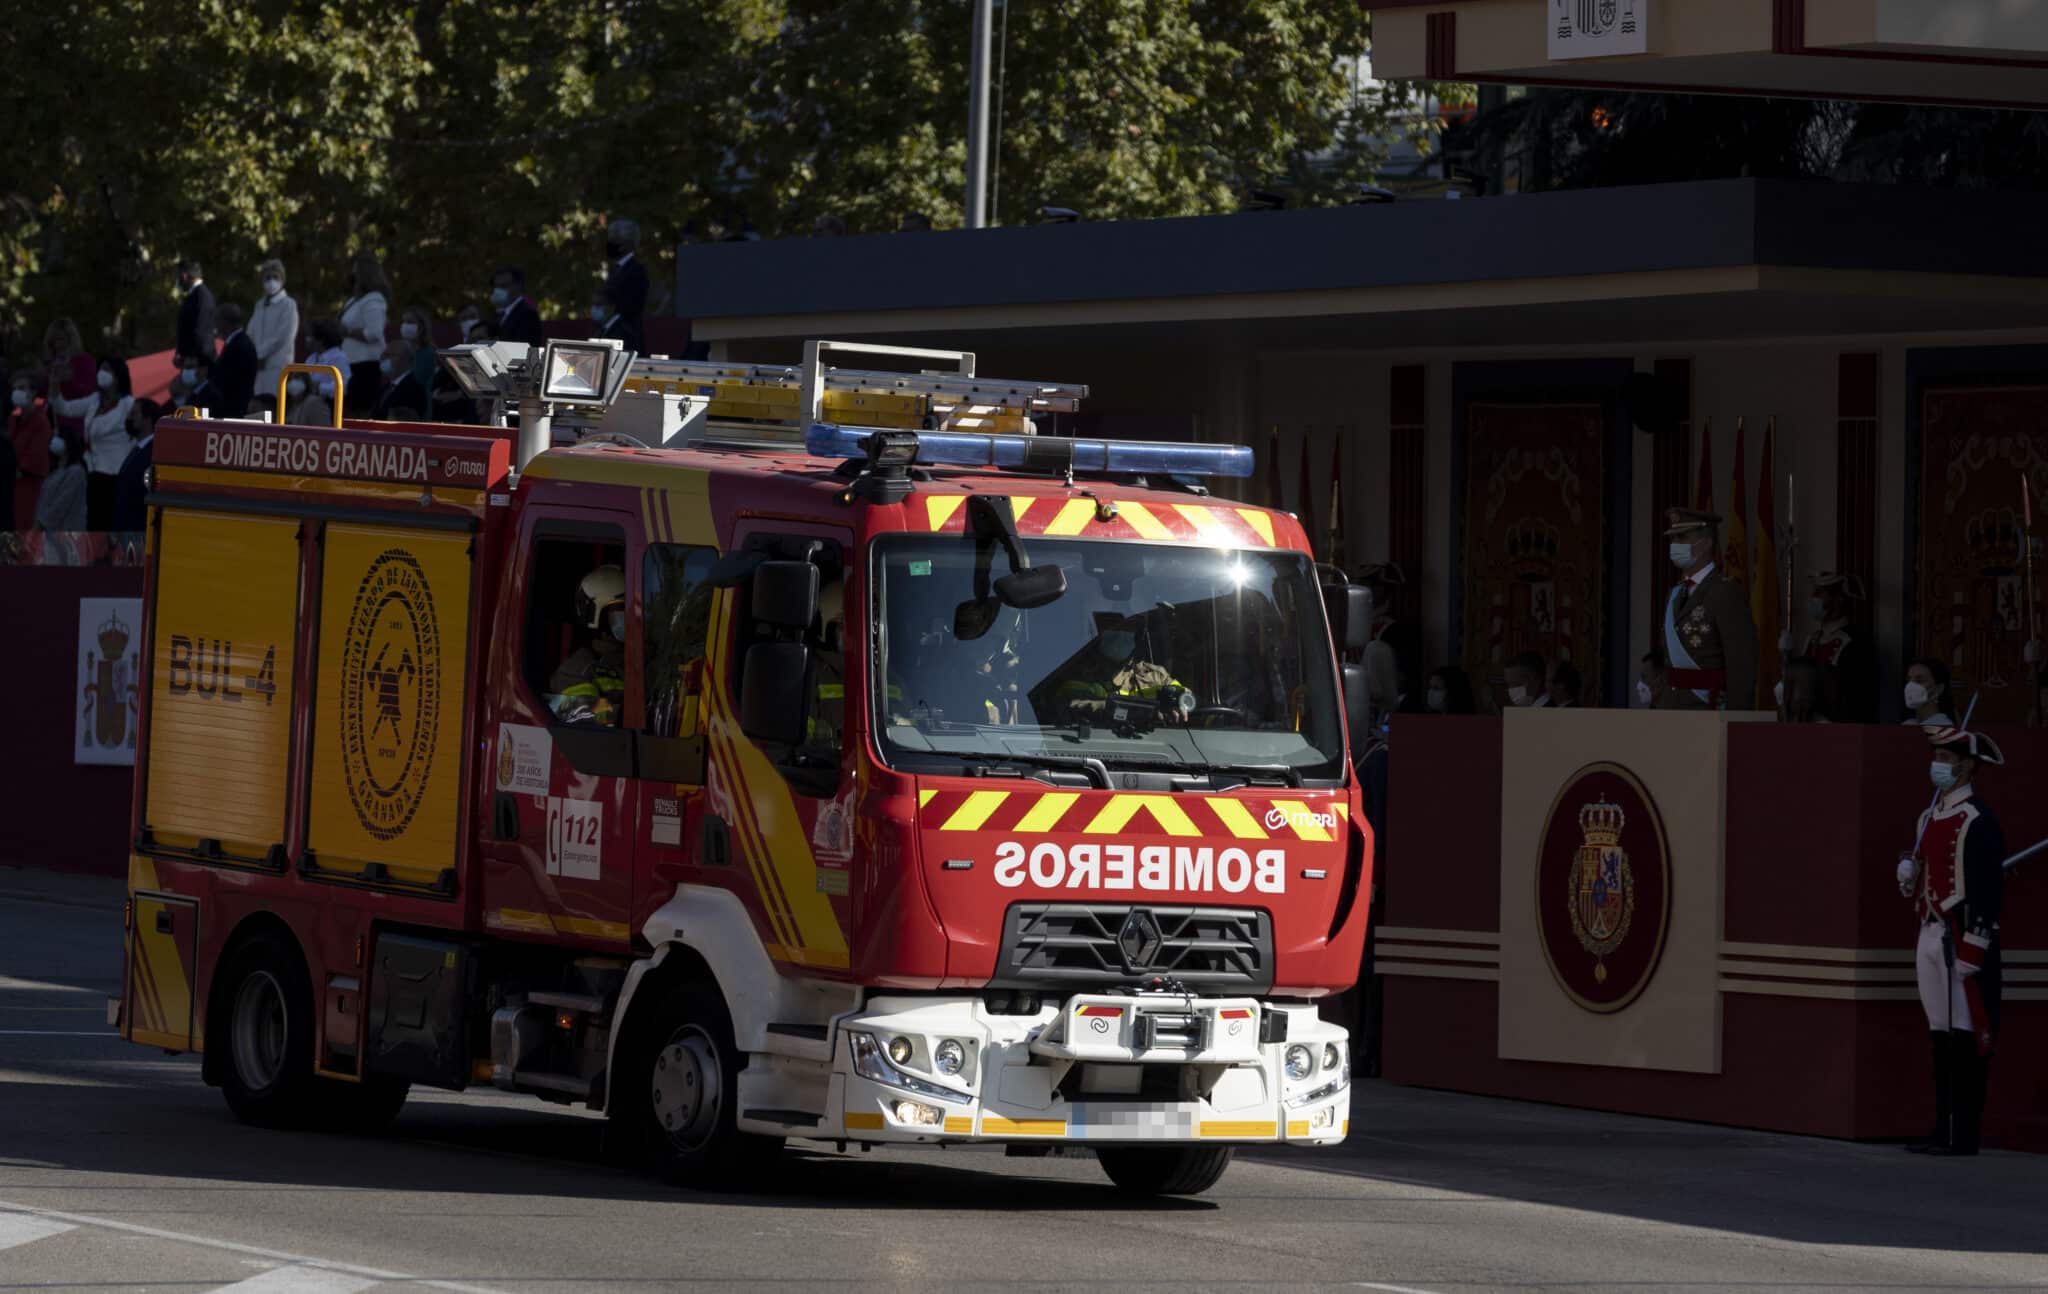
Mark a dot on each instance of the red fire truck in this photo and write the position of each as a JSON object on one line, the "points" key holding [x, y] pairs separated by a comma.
{"points": [[918, 780]]}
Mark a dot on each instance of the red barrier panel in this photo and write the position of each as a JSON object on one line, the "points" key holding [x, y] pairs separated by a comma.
{"points": [[53, 812]]}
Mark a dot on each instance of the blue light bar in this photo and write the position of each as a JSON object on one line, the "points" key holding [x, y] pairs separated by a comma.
{"points": [[1042, 453]]}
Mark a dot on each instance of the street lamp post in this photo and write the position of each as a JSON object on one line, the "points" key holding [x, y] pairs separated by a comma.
{"points": [[977, 118]]}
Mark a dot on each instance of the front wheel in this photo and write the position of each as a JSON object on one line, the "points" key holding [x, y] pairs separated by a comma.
{"points": [[675, 1099], [1164, 1170]]}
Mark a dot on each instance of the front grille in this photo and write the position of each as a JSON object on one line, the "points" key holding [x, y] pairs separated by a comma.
{"points": [[1079, 945]]}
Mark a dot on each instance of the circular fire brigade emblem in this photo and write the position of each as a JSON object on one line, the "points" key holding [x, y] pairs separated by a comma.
{"points": [[1603, 887], [390, 693]]}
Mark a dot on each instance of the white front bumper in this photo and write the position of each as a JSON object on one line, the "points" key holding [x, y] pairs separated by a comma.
{"points": [[1008, 1088]]}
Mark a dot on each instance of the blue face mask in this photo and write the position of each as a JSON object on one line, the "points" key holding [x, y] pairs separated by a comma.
{"points": [[615, 623], [1942, 775]]}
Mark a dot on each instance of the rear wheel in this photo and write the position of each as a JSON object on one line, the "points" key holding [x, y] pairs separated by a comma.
{"points": [[1164, 1170], [674, 1102], [268, 1034]]}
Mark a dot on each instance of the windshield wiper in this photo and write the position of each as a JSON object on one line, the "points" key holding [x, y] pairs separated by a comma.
{"points": [[1086, 765], [1287, 773]]}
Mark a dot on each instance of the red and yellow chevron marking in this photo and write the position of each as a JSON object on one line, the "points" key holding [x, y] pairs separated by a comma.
{"points": [[159, 1009], [1220, 525], [1039, 813]]}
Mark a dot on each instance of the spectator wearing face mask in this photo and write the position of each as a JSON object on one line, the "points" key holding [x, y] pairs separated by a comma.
{"points": [[304, 406], [234, 373], [197, 388], [131, 488], [416, 325], [465, 320], [404, 397], [63, 508], [1927, 697], [105, 444], [518, 319], [1651, 679], [273, 326], [323, 346], [1449, 692], [604, 312], [63, 350], [1526, 681], [28, 436], [362, 325], [626, 281]]}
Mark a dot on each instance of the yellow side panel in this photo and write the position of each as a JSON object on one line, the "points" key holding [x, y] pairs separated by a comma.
{"points": [[227, 610], [388, 701], [162, 953]]}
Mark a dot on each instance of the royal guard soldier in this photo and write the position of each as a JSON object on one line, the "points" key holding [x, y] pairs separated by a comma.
{"points": [[1709, 639], [1955, 876], [1842, 647]]}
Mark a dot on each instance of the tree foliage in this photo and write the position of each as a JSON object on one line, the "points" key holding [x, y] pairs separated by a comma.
{"points": [[453, 136]]}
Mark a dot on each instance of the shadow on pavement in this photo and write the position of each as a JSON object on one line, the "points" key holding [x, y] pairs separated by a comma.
{"points": [[1807, 1190]]}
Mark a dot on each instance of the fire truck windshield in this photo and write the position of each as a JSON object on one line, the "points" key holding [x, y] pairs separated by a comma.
{"points": [[1156, 657]]}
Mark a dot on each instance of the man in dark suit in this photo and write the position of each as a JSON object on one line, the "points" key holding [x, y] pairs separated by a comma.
{"points": [[195, 312], [1708, 636], [403, 397], [611, 321], [627, 279], [131, 483], [518, 319], [234, 373]]}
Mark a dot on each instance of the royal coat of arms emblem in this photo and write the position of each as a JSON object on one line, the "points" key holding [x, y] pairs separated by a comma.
{"points": [[1603, 889]]}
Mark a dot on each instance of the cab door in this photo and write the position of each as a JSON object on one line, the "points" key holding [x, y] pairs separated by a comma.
{"points": [[564, 696]]}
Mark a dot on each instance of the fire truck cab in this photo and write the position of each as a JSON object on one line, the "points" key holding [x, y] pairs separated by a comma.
{"points": [[867, 769]]}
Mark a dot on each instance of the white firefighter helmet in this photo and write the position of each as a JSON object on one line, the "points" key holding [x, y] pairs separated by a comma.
{"points": [[600, 590]]}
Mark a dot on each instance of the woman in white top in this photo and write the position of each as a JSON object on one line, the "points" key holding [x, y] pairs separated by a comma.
{"points": [[273, 326], [1927, 696], [106, 437], [362, 333]]}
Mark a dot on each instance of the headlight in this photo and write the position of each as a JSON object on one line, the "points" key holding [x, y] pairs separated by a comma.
{"points": [[1331, 1055], [1301, 1062], [899, 1049], [949, 1056], [871, 1061]]}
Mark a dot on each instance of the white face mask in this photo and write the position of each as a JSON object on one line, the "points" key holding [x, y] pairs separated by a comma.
{"points": [[409, 331], [1942, 775], [499, 297], [271, 287], [295, 387], [57, 448], [1643, 692], [1778, 693], [1518, 696], [1681, 556], [1916, 696], [1435, 700], [22, 397], [106, 380]]}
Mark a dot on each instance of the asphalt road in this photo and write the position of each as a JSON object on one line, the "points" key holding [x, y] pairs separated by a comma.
{"points": [[120, 1170]]}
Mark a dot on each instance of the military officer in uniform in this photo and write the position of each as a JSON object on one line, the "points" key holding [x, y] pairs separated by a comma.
{"points": [[1956, 879], [1842, 648], [1709, 639]]}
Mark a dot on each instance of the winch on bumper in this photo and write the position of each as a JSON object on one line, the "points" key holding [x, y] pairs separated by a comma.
{"points": [[1096, 1067]]}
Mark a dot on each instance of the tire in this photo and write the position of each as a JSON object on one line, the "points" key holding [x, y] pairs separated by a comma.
{"points": [[1164, 1170], [266, 1033], [674, 1103]]}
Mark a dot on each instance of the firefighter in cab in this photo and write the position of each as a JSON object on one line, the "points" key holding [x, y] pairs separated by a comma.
{"points": [[590, 686]]}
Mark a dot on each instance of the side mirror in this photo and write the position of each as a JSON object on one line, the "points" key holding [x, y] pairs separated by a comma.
{"points": [[1034, 586], [774, 690], [1350, 610], [785, 594], [1357, 708]]}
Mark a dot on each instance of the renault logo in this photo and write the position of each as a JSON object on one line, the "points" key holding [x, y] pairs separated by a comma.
{"points": [[1139, 940]]}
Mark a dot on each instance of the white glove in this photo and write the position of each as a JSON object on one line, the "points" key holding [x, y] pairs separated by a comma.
{"points": [[1908, 872], [1785, 643]]}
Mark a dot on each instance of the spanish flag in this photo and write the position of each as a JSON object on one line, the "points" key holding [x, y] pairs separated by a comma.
{"points": [[1734, 554], [1764, 603]]}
